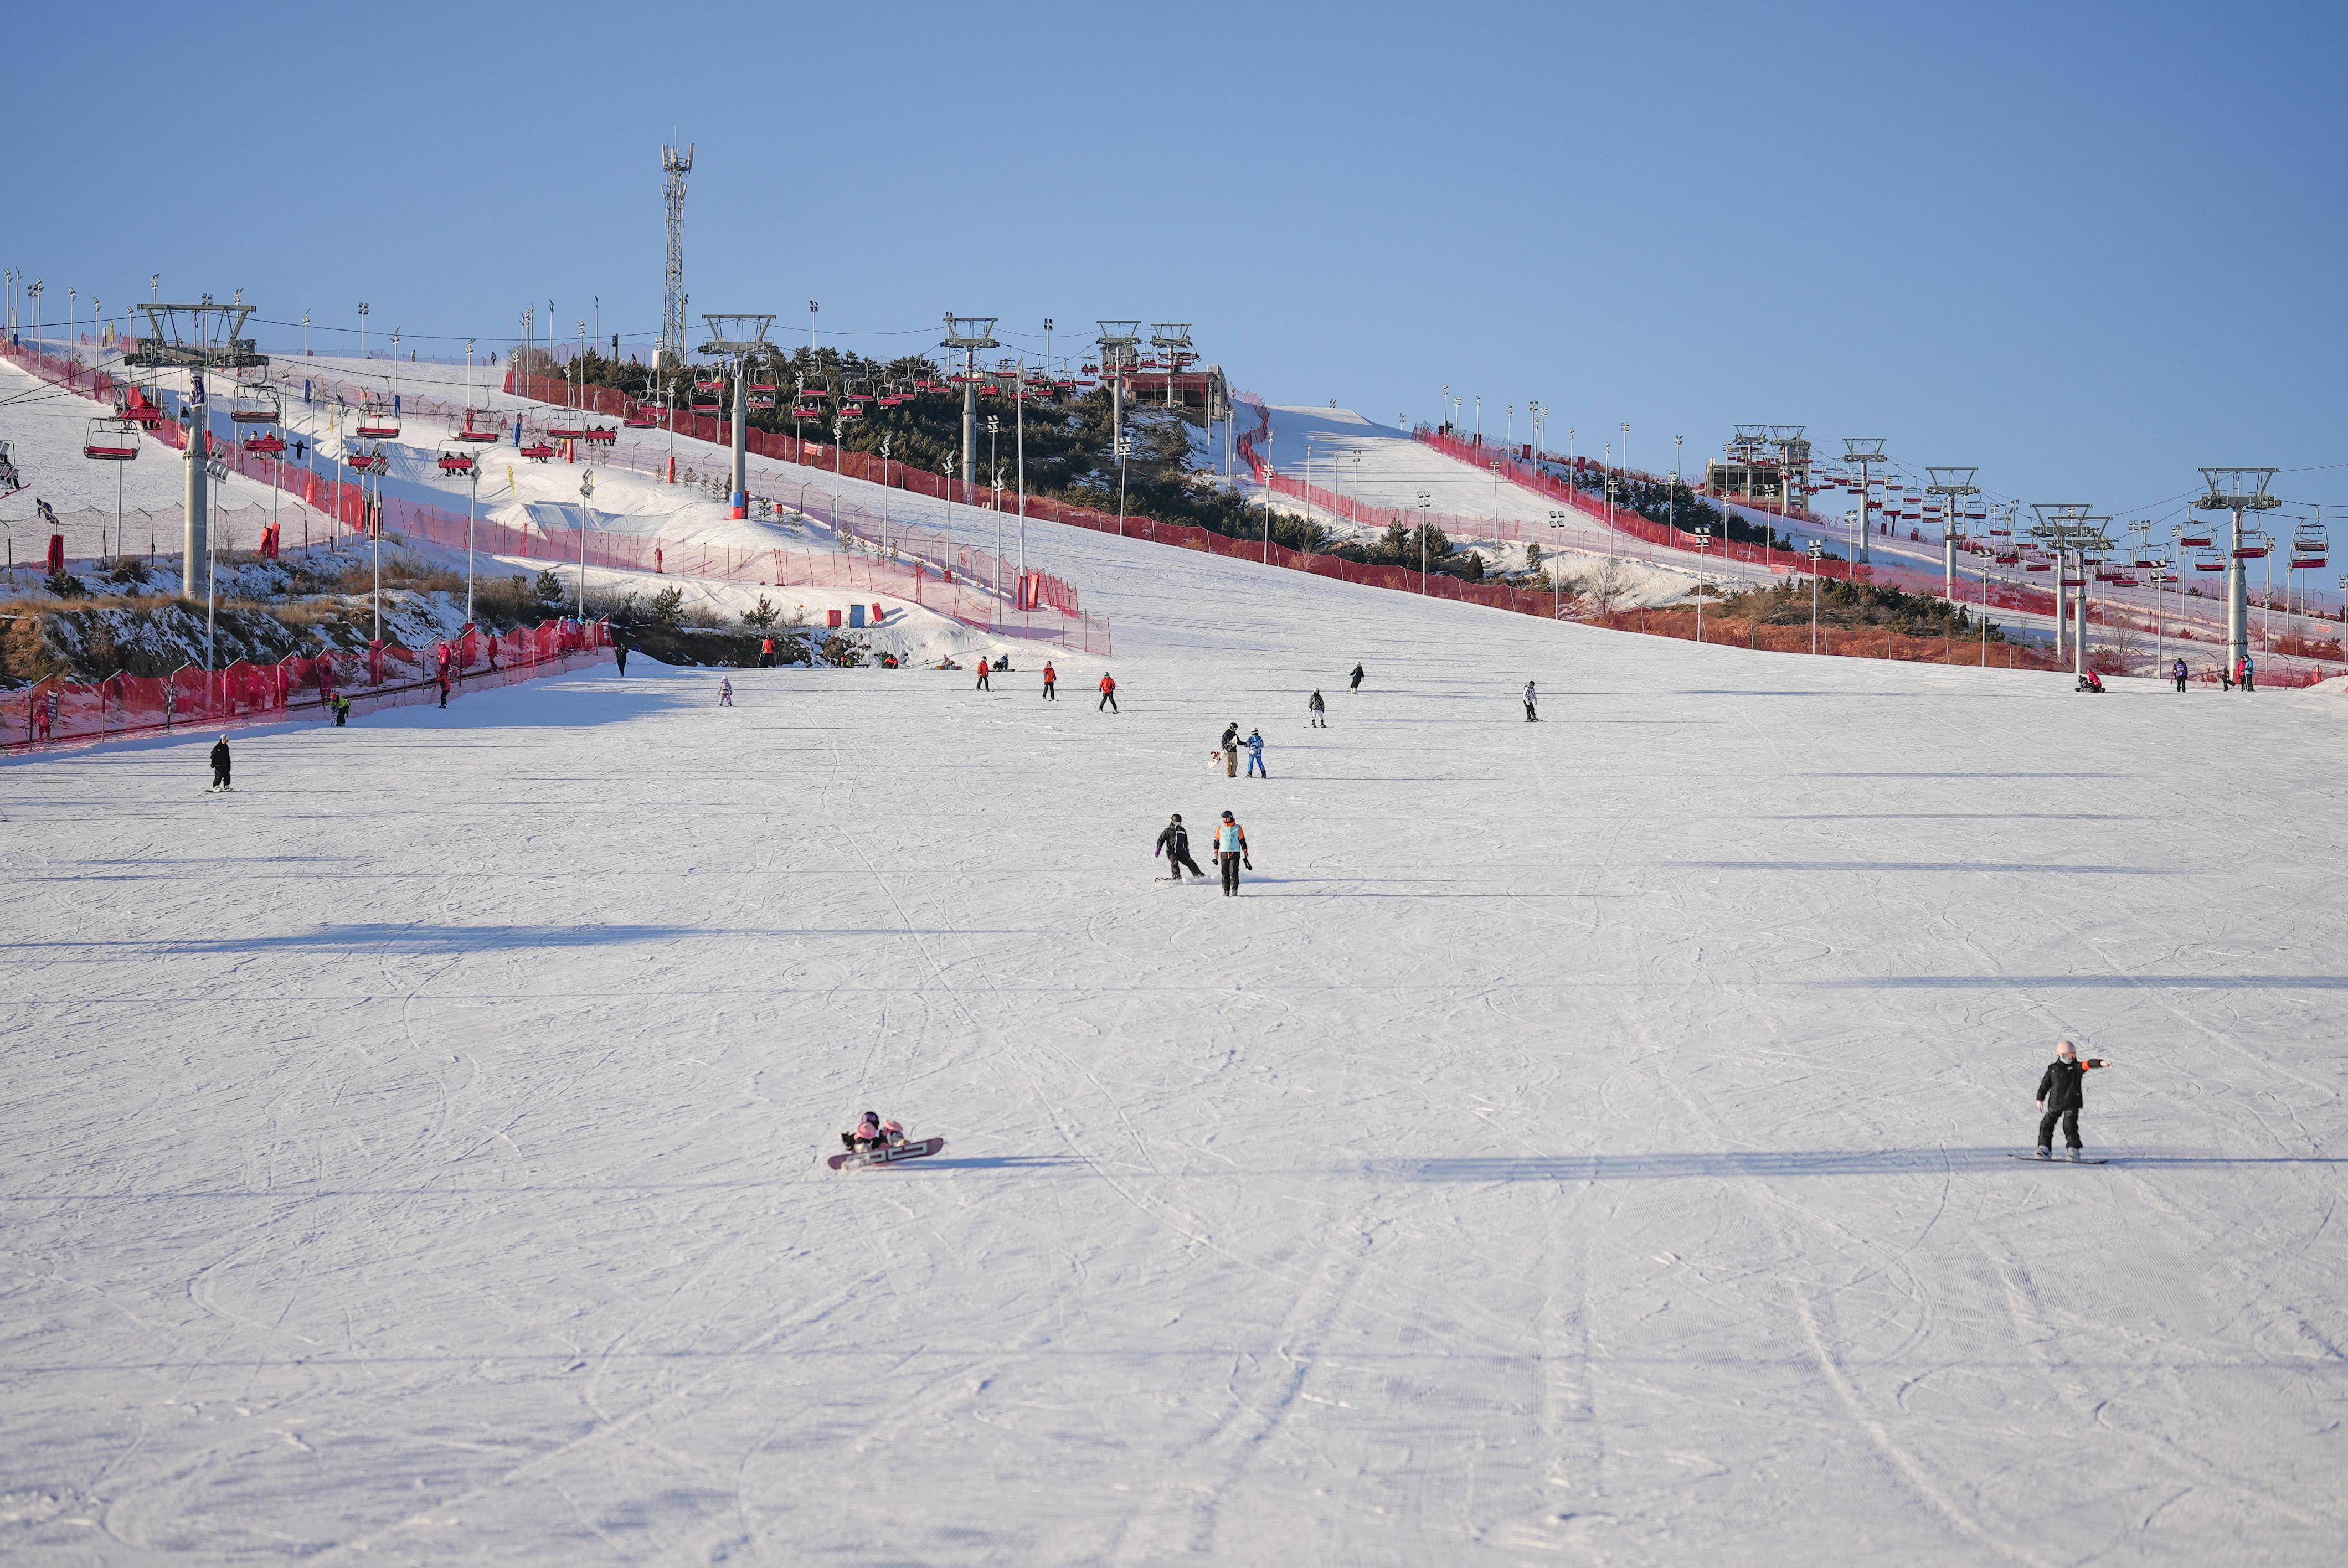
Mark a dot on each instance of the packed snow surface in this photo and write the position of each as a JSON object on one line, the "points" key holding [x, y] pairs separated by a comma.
{"points": [[1583, 1141]]}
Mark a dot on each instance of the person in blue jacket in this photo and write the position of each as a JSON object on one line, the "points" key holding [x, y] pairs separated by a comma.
{"points": [[1255, 754]]}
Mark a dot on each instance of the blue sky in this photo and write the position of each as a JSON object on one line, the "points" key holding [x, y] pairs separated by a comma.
{"points": [[2085, 247]]}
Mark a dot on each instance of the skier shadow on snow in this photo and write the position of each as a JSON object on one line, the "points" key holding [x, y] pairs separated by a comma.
{"points": [[1781, 1162]]}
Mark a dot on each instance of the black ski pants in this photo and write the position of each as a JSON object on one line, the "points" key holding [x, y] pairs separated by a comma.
{"points": [[2070, 1120], [1109, 700], [982, 685], [2180, 683], [219, 776], [1050, 695], [1182, 860], [1231, 873]]}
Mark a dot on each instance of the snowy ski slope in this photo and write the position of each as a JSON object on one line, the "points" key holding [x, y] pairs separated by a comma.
{"points": [[1585, 1141]]}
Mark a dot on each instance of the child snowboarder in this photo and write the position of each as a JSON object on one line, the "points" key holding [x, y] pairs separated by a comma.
{"points": [[1255, 756], [1174, 842], [1319, 709], [1232, 852], [725, 691], [220, 763], [2062, 1096], [870, 1132]]}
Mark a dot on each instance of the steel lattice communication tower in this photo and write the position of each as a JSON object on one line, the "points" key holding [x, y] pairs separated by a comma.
{"points": [[675, 167]]}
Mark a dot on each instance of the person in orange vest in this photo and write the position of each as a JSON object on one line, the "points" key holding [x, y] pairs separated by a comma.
{"points": [[1051, 677], [1230, 853], [1108, 694], [766, 654], [983, 670]]}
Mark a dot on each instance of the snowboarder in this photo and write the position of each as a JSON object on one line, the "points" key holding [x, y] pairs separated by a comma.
{"points": [[1051, 678], [2178, 670], [725, 692], [984, 670], [2090, 682], [2062, 1096], [342, 712], [220, 763], [1318, 709], [872, 1131], [1255, 756], [1174, 842], [1531, 713], [1230, 747], [1357, 679], [1108, 694], [1231, 853]]}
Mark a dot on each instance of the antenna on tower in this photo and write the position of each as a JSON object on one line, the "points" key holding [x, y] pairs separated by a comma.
{"points": [[675, 167]]}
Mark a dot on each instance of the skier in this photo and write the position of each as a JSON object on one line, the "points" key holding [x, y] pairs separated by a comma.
{"points": [[220, 763], [619, 655], [1318, 709], [444, 687], [872, 1131], [2250, 674], [1530, 712], [1174, 842], [1108, 694], [1255, 756], [984, 670], [1051, 678], [2178, 672], [1230, 747], [1357, 679], [2061, 1096], [342, 712], [725, 692], [1231, 853]]}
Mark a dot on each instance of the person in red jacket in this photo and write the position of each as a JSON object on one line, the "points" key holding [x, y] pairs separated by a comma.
{"points": [[1108, 694], [984, 670], [1051, 677]]}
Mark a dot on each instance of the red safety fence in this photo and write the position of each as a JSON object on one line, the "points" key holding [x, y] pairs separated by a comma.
{"points": [[58, 712]]}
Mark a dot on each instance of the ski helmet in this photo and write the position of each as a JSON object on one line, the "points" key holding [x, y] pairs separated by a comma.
{"points": [[1177, 816]]}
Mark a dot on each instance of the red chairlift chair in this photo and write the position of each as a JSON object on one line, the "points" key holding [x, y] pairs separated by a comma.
{"points": [[268, 444], [600, 436], [460, 465], [480, 427], [538, 452], [639, 417], [2206, 559], [111, 440], [376, 422], [253, 406]]}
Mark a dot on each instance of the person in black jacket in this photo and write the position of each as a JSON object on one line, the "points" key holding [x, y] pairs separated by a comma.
{"points": [[220, 762], [2062, 1096], [1354, 681], [1174, 842]]}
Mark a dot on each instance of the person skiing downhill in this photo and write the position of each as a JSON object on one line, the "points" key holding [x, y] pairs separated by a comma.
{"points": [[1108, 694], [725, 691], [1319, 709], [1051, 678], [220, 763], [872, 1131], [2062, 1096], [1231, 853], [1530, 712], [1357, 684], [1255, 756], [1174, 842]]}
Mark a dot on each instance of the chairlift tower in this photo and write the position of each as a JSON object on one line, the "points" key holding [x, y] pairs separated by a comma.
{"points": [[196, 338], [2236, 491], [675, 167], [1172, 342], [1951, 485], [969, 335], [2059, 528], [1793, 446], [739, 339], [1117, 342], [1865, 451]]}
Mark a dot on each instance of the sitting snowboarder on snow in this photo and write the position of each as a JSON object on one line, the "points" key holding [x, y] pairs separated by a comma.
{"points": [[2062, 1096], [2090, 682], [870, 1134]]}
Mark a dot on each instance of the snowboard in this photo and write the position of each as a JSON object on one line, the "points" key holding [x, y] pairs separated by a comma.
{"points": [[911, 1150], [2035, 1160]]}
